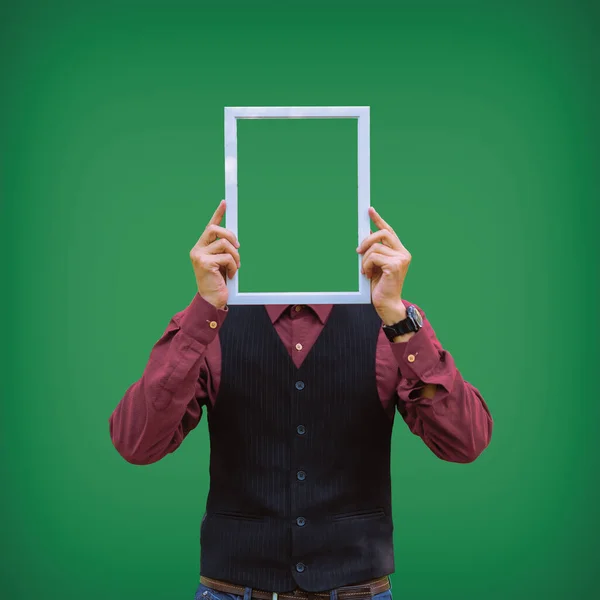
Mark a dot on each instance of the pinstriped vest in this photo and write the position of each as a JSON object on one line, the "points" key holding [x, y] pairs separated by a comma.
{"points": [[300, 458]]}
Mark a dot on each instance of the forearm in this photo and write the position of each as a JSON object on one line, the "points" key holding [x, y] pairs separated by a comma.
{"points": [[159, 409], [438, 405], [448, 413], [455, 425]]}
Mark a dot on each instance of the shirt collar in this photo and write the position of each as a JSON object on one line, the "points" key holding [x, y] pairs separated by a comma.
{"points": [[276, 310]]}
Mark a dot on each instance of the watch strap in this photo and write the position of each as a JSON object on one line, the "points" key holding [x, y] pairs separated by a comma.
{"points": [[405, 326], [402, 327]]}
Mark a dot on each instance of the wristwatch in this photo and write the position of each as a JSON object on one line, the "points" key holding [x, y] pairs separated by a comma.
{"points": [[413, 322]]}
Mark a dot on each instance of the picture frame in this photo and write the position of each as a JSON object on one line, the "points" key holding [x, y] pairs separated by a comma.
{"points": [[362, 295]]}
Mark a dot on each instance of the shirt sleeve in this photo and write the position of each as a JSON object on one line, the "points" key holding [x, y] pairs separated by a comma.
{"points": [[165, 404], [456, 423]]}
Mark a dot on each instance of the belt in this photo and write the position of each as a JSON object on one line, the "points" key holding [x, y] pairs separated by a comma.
{"points": [[365, 589]]}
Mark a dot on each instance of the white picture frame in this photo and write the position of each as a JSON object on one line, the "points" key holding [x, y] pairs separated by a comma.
{"points": [[362, 114]]}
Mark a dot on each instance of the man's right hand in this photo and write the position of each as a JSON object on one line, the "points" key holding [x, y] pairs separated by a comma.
{"points": [[213, 257]]}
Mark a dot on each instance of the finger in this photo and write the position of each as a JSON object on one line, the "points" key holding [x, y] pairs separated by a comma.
{"points": [[361, 246], [218, 214], [376, 218], [374, 260], [213, 231], [222, 246], [381, 249], [225, 261], [392, 263], [383, 225], [383, 235]]}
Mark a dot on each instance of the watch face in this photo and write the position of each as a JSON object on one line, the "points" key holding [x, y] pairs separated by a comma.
{"points": [[416, 315]]}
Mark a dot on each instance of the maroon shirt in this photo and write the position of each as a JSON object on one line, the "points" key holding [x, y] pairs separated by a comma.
{"points": [[184, 370]]}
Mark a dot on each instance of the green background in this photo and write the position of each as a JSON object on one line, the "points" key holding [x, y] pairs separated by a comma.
{"points": [[297, 201], [484, 157]]}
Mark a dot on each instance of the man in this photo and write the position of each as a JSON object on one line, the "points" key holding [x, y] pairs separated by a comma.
{"points": [[300, 403]]}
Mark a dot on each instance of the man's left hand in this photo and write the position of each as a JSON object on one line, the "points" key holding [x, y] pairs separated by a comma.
{"points": [[385, 262]]}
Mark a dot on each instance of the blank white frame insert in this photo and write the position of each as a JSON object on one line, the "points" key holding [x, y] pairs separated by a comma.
{"points": [[362, 115]]}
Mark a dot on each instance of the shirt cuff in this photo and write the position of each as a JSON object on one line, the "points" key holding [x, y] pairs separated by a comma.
{"points": [[201, 320], [417, 356]]}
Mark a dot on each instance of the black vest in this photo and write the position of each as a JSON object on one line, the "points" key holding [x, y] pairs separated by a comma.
{"points": [[300, 458]]}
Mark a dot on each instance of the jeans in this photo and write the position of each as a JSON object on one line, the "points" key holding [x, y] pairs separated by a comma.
{"points": [[206, 593]]}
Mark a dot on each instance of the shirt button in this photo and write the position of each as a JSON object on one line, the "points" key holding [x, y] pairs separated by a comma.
{"points": [[298, 346], [301, 475], [411, 358], [301, 521], [298, 307], [301, 429], [299, 385], [213, 324], [300, 567]]}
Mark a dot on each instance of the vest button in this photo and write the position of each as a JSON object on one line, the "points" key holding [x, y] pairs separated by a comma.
{"points": [[300, 567], [301, 475], [301, 521], [299, 385], [301, 429]]}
